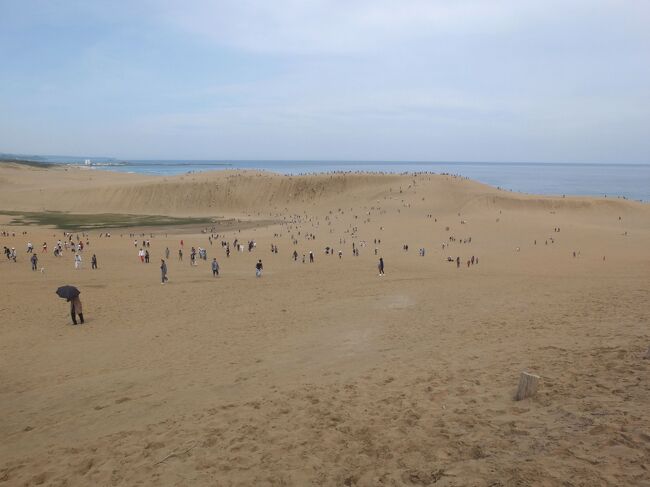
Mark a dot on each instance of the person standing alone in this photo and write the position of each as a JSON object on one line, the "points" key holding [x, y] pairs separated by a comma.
{"points": [[163, 271], [381, 266], [215, 268], [258, 268]]}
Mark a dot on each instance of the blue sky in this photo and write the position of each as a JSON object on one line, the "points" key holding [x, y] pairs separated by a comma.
{"points": [[462, 80]]}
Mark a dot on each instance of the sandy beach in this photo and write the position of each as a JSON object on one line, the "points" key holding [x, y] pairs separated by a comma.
{"points": [[324, 373]]}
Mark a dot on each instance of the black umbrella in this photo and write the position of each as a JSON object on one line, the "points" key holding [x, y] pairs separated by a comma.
{"points": [[68, 292]]}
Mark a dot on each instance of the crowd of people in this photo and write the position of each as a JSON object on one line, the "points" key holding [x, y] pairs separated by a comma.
{"points": [[76, 245]]}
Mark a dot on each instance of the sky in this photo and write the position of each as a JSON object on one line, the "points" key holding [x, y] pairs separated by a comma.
{"points": [[402, 80]]}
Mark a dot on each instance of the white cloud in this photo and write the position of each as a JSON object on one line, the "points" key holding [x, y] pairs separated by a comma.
{"points": [[338, 26], [334, 79]]}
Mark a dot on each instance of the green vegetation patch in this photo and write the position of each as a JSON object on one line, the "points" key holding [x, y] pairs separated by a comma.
{"points": [[26, 162], [72, 221]]}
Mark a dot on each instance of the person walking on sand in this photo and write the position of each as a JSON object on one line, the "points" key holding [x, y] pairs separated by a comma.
{"points": [[380, 266], [76, 309], [93, 262], [34, 260], [258, 268], [77, 261], [167, 253], [163, 271], [215, 268]]}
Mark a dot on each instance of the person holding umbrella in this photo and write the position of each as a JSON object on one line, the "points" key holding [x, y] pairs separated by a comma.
{"points": [[75, 307], [71, 295]]}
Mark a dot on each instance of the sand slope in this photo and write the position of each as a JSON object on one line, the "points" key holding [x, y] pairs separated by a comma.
{"points": [[324, 373]]}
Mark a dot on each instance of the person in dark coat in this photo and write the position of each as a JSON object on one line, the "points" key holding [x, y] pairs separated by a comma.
{"points": [[163, 271], [76, 309]]}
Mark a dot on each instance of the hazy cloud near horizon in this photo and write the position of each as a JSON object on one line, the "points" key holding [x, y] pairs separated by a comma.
{"points": [[467, 80]]}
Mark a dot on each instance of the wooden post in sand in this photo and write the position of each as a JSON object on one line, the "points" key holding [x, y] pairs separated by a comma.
{"points": [[527, 386]]}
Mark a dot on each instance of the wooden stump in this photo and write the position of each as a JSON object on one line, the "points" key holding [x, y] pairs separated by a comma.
{"points": [[527, 386]]}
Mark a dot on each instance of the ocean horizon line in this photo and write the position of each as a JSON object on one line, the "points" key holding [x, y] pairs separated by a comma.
{"points": [[59, 158]]}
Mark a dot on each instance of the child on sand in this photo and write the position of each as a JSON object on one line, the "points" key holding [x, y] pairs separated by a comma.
{"points": [[258, 268], [381, 266]]}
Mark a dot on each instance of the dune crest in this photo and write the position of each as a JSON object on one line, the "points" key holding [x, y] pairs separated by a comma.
{"points": [[204, 194]]}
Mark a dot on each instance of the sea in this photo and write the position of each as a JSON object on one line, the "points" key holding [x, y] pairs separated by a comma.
{"points": [[630, 181]]}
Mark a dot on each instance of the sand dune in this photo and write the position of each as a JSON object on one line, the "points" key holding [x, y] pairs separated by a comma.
{"points": [[325, 373], [85, 191], [91, 191], [526, 203]]}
